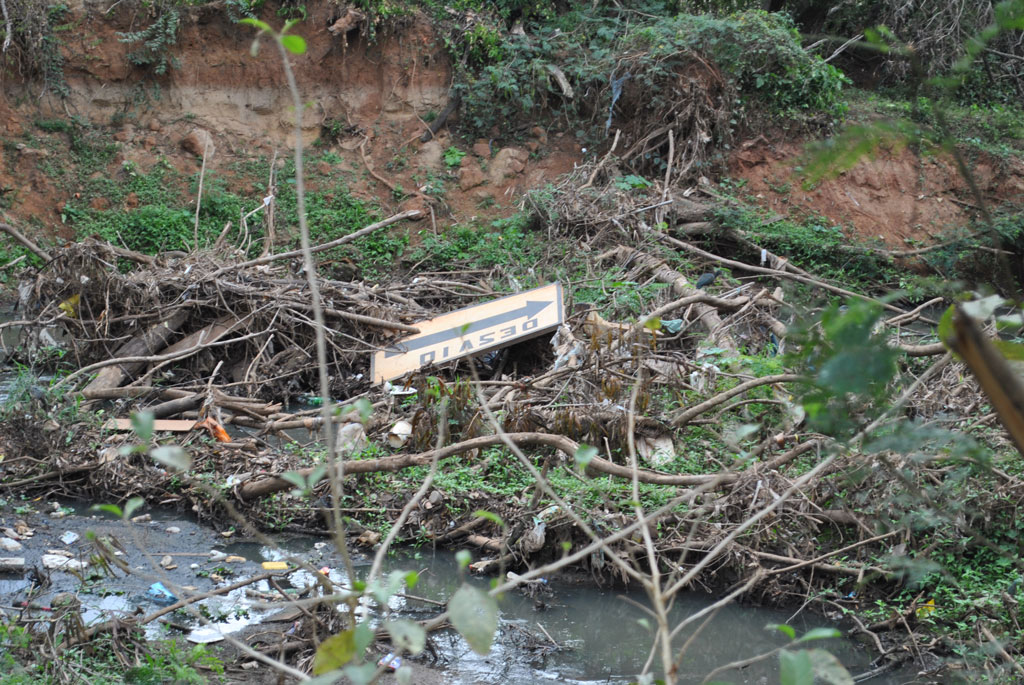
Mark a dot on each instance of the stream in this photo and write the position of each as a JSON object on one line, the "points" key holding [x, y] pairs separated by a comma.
{"points": [[568, 633], [565, 633]]}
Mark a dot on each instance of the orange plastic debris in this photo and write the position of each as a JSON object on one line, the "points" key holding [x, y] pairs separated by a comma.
{"points": [[215, 430]]}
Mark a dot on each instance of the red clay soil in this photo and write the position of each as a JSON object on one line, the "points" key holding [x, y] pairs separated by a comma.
{"points": [[898, 197], [379, 92]]}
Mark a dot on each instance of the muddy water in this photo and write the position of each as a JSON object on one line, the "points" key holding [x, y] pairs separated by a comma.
{"points": [[566, 634]]}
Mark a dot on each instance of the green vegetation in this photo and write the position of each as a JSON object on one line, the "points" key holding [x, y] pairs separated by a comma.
{"points": [[103, 659], [156, 40], [587, 49]]}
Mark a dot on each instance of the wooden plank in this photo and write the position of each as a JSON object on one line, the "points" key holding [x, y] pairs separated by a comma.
{"points": [[473, 330], [172, 425]]}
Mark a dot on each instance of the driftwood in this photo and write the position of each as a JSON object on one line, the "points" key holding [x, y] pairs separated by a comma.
{"points": [[147, 343], [21, 238], [597, 465], [681, 286]]}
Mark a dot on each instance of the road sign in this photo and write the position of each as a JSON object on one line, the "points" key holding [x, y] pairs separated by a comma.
{"points": [[473, 330]]}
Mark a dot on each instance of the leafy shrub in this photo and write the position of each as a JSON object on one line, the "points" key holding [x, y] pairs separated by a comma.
{"points": [[453, 156], [701, 75], [157, 39]]}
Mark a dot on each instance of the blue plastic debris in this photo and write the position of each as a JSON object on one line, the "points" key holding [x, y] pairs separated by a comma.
{"points": [[160, 594], [390, 661]]}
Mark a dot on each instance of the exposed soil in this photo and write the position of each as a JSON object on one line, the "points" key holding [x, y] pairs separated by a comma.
{"points": [[374, 96], [900, 197], [371, 97]]}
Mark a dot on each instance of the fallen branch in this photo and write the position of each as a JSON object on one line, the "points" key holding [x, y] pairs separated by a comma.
{"points": [[20, 237], [685, 416], [439, 122], [409, 214], [267, 486]]}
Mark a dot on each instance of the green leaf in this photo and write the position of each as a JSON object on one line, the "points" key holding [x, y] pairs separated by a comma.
{"points": [[289, 24], [782, 628], [256, 23], [411, 578], [172, 456], [382, 592], [360, 675], [295, 478], [795, 668], [490, 516], [365, 409], [463, 556], [1011, 350], [404, 675], [294, 44], [653, 324], [131, 506], [984, 308], [474, 614], [585, 454], [109, 508], [407, 635], [334, 652], [828, 668], [946, 326], [317, 475], [142, 424], [364, 637], [820, 634]]}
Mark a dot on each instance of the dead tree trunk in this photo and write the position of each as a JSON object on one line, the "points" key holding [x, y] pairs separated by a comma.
{"points": [[155, 338]]}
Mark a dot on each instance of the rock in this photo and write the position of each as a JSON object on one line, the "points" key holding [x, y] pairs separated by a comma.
{"points": [[436, 497], [168, 562], [125, 134], [540, 134], [99, 203], [9, 545], [482, 149], [323, 168], [417, 202], [69, 538], [154, 126], [471, 176], [348, 21], [27, 151], [197, 141], [216, 556], [533, 146], [8, 564], [173, 530], [508, 162], [368, 538], [148, 142], [430, 156], [65, 600], [56, 562], [141, 518]]}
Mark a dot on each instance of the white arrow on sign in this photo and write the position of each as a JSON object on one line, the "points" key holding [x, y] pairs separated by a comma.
{"points": [[473, 330]]}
